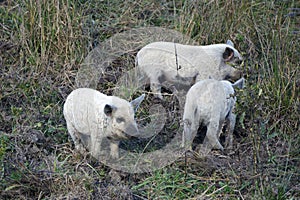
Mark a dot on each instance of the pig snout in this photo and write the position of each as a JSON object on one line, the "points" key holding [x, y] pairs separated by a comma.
{"points": [[234, 76], [131, 130]]}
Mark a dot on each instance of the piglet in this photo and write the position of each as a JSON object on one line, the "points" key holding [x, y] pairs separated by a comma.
{"points": [[92, 116], [210, 103]]}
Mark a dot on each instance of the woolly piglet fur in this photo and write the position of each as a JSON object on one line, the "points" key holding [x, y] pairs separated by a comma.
{"points": [[172, 62], [209, 103], [92, 116]]}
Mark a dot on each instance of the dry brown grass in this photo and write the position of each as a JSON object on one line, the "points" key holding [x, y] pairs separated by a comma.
{"points": [[43, 43]]}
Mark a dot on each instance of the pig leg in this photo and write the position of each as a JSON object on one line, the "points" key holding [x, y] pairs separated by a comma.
{"points": [[114, 149], [213, 130], [230, 127], [75, 137], [156, 89], [211, 140], [189, 133], [96, 141], [155, 84]]}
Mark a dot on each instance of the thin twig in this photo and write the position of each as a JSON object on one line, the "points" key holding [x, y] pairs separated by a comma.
{"points": [[177, 66]]}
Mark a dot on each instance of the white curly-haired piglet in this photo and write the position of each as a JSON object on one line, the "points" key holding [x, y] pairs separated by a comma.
{"points": [[171, 62], [209, 103], [92, 116]]}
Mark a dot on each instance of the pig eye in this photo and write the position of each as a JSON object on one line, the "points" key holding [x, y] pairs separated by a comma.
{"points": [[120, 119]]}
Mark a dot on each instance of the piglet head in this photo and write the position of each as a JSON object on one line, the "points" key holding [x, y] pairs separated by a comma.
{"points": [[232, 58], [121, 114], [231, 55]]}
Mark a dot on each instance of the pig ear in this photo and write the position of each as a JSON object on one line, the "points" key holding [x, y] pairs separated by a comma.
{"points": [[229, 42], [228, 54], [136, 102], [108, 110], [239, 83]]}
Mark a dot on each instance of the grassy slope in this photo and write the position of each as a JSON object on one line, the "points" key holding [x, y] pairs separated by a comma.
{"points": [[42, 45]]}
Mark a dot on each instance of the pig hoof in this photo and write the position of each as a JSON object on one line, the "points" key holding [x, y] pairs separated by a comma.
{"points": [[158, 96], [80, 148], [114, 155]]}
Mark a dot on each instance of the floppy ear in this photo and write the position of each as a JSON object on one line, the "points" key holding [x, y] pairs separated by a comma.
{"points": [[228, 54], [108, 110], [229, 42], [136, 102]]}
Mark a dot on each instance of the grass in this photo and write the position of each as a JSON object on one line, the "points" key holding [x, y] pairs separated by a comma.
{"points": [[43, 44]]}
